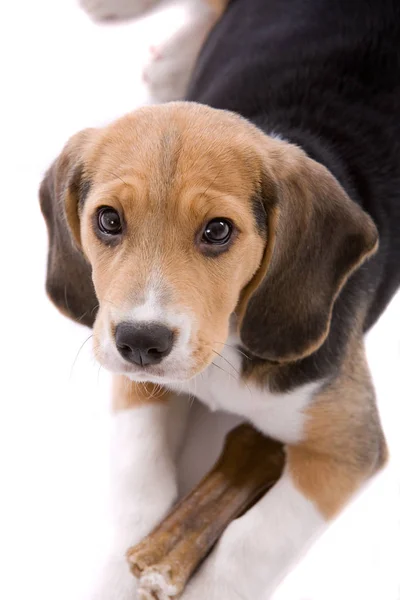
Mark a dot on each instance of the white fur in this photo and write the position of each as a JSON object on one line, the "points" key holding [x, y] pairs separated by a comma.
{"points": [[169, 68], [270, 535], [153, 310], [256, 550], [144, 443], [220, 386], [173, 367], [116, 9], [171, 63], [143, 482], [149, 310]]}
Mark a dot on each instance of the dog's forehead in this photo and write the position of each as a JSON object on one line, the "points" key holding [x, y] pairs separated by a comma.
{"points": [[179, 140]]}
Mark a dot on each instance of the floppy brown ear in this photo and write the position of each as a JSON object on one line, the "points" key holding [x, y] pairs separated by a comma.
{"points": [[63, 189], [317, 237]]}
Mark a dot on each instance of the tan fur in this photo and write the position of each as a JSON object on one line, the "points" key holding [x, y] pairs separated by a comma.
{"points": [[170, 172], [344, 444], [171, 168], [128, 394], [219, 6]]}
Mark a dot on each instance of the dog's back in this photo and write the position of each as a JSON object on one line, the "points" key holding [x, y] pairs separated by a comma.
{"points": [[325, 74]]}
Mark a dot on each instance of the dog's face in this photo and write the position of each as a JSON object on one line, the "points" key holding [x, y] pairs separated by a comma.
{"points": [[189, 219], [170, 229]]}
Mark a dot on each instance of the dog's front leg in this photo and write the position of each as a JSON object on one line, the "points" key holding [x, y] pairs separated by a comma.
{"points": [[342, 447], [148, 423], [257, 549]]}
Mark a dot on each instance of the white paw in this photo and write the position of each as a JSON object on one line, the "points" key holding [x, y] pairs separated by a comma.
{"points": [[115, 581], [170, 64], [224, 575], [214, 581], [109, 10], [207, 585]]}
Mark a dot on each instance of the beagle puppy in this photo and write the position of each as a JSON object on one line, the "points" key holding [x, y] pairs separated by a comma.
{"points": [[236, 247]]}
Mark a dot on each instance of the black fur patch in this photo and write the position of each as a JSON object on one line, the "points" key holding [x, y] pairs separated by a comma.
{"points": [[80, 185], [335, 93], [84, 189], [260, 215]]}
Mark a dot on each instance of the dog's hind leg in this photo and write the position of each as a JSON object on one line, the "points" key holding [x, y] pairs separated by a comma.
{"points": [[116, 10], [170, 64]]}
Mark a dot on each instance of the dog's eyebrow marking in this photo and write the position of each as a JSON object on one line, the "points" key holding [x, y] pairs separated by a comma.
{"points": [[115, 175], [260, 214], [84, 189], [81, 186]]}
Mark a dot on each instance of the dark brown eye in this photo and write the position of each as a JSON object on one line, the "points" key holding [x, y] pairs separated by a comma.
{"points": [[218, 231], [109, 221]]}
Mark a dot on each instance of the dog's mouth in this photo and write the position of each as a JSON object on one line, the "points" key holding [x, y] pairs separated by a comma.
{"points": [[173, 371]]}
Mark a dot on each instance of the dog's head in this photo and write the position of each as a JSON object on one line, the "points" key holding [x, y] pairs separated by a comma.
{"points": [[178, 219]]}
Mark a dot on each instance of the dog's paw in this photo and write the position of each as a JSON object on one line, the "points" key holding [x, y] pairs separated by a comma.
{"points": [[114, 580], [115, 10], [208, 586], [224, 574]]}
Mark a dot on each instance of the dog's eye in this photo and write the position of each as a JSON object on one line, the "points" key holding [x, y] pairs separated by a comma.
{"points": [[109, 221], [217, 231]]}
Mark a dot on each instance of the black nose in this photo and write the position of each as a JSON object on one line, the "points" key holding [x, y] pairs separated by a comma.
{"points": [[143, 343]]}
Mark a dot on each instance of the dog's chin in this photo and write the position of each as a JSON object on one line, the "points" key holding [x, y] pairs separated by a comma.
{"points": [[145, 376], [168, 374], [163, 376]]}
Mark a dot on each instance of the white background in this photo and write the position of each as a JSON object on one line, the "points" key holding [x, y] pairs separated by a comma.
{"points": [[60, 73]]}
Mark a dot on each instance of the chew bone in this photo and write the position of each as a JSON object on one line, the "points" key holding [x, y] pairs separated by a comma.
{"points": [[249, 465]]}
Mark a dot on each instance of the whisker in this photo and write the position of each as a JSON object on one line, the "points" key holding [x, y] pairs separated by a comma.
{"points": [[115, 175], [66, 299], [98, 374], [218, 367], [79, 351], [94, 308], [110, 302], [210, 184], [79, 319], [226, 360], [191, 401], [146, 390], [235, 348], [216, 197], [239, 374], [160, 391], [86, 312], [242, 353]]}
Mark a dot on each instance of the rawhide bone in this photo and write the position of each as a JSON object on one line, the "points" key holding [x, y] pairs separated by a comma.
{"points": [[163, 562]]}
